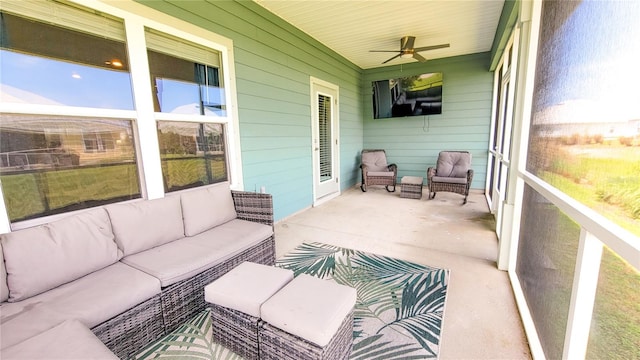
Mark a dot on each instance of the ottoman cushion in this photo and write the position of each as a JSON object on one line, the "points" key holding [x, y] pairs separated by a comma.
{"points": [[412, 180], [310, 308], [247, 286]]}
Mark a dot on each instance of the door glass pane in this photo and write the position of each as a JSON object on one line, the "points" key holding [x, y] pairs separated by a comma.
{"points": [[494, 145], [55, 164], [53, 65], [324, 133], [505, 117], [193, 154], [545, 266]]}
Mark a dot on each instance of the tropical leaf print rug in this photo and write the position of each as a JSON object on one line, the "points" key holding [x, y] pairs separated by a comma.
{"points": [[399, 310]]}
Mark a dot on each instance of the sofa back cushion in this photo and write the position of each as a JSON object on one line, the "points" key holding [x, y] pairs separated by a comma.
{"points": [[4, 289], [453, 164], [41, 258], [142, 225], [208, 207]]}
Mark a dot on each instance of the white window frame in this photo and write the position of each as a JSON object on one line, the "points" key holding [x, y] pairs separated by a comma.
{"points": [[596, 230], [136, 17]]}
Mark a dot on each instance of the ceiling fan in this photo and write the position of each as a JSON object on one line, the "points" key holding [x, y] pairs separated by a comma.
{"points": [[408, 51]]}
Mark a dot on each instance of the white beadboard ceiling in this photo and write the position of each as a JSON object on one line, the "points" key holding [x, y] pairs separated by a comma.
{"points": [[353, 27]]}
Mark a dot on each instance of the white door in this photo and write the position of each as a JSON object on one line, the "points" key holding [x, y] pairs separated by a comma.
{"points": [[500, 146], [325, 144]]}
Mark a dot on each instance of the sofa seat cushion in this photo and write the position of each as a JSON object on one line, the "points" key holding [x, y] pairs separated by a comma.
{"points": [[43, 257], [92, 300], [141, 225], [21, 323], [184, 258], [4, 289], [451, 180], [69, 340]]}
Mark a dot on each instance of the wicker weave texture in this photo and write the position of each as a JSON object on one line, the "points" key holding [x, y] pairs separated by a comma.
{"points": [[378, 180], [411, 191], [235, 330], [128, 332], [434, 187], [254, 207], [184, 299], [276, 344]]}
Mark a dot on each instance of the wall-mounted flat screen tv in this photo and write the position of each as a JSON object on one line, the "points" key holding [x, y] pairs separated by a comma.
{"points": [[408, 96]]}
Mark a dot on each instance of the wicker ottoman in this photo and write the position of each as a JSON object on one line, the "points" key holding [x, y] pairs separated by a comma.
{"points": [[309, 318], [411, 187], [235, 300]]}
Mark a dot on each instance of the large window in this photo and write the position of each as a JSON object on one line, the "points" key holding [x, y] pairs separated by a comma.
{"points": [[54, 163], [186, 84], [82, 114]]}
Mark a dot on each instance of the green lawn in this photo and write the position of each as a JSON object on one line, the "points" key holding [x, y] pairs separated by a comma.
{"points": [[46, 192], [607, 179]]}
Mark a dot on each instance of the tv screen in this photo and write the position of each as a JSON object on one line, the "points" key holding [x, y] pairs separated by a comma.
{"points": [[408, 96]]}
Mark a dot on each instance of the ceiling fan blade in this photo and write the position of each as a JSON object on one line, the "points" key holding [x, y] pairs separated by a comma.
{"points": [[406, 42], [419, 57], [386, 61], [433, 47], [383, 50]]}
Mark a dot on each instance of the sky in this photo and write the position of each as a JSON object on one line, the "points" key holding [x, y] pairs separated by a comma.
{"points": [[593, 60]]}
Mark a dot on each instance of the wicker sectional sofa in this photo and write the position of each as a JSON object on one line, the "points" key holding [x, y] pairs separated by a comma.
{"points": [[129, 272]]}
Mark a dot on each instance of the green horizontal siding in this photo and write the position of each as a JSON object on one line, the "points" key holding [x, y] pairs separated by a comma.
{"points": [[413, 143], [273, 64]]}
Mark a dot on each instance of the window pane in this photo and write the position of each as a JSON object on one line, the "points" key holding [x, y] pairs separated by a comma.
{"points": [[47, 64], [545, 266], [615, 331], [51, 164], [585, 133], [186, 77], [192, 154]]}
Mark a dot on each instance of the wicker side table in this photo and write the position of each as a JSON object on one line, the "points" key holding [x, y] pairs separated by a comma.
{"points": [[411, 187], [235, 300]]}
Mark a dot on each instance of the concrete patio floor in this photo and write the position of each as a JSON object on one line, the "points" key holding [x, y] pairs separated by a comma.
{"points": [[481, 320]]}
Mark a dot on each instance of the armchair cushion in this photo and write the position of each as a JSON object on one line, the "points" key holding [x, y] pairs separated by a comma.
{"points": [[450, 180], [453, 164], [375, 161], [380, 173]]}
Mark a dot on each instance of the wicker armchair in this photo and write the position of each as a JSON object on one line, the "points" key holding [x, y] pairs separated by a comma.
{"points": [[453, 173], [376, 171]]}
